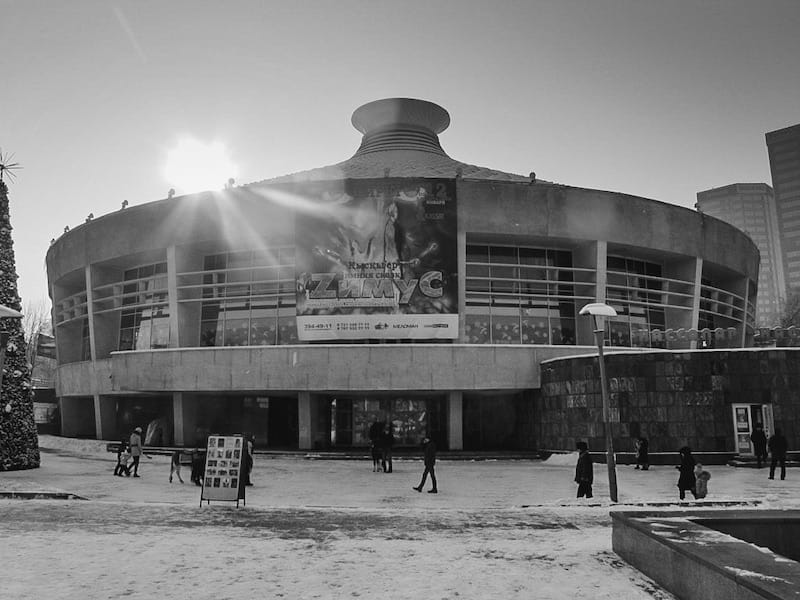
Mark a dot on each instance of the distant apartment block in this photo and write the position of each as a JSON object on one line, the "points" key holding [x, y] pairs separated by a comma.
{"points": [[751, 208], [783, 147]]}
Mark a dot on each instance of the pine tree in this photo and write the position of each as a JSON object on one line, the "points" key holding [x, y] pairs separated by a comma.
{"points": [[19, 443]]}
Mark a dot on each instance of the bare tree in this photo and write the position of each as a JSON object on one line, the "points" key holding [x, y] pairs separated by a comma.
{"points": [[790, 315], [36, 322]]}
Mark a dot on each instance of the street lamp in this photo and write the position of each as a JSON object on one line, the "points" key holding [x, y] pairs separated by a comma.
{"points": [[599, 313]]}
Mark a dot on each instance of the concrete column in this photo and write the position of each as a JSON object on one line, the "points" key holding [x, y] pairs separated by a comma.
{"points": [[172, 295], [602, 271], [304, 425], [178, 431], [461, 247], [455, 420], [105, 417], [90, 313], [698, 284]]}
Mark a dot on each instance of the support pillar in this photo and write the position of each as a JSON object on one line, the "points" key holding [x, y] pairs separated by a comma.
{"points": [[455, 420], [105, 417], [305, 430], [184, 420], [178, 420]]}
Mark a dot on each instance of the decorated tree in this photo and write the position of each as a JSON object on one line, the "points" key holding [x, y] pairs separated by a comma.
{"points": [[19, 444]]}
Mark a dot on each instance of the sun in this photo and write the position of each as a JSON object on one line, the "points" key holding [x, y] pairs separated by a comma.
{"points": [[195, 166]]}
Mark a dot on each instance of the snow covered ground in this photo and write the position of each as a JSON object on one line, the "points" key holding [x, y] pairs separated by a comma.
{"points": [[335, 529]]}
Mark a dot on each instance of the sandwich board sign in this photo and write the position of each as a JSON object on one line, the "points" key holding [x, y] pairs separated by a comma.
{"points": [[226, 457]]}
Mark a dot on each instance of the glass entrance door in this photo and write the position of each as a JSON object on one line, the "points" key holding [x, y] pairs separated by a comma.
{"points": [[745, 418], [742, 428]]}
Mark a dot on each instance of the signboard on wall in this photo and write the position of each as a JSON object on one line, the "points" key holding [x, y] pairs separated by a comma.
{"points": [[225, 463], [378, 259]]}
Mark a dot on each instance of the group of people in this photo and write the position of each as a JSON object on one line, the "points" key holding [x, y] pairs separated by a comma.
{"points": [[130, 452], [381, 438], [693, 477]]}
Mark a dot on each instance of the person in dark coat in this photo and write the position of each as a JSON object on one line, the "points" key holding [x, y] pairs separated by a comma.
{"points": [[642, 454], [249, 448], [375, 432], [686, 480], [584, 471], [386, 443], [777, 448], [429, 447], [759, 439], [198, 464]]}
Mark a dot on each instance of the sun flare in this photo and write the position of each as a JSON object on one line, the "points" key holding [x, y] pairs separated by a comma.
{"points": [[195, 166]]}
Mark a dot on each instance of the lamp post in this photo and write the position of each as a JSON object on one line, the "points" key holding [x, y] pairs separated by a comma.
{"points": [[599, 312]]}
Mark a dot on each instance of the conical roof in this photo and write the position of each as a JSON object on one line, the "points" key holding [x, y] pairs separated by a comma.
{"points": [[401, 139]]}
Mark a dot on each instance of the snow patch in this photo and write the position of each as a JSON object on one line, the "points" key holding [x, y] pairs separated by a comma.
{"points": [[754, 575]]}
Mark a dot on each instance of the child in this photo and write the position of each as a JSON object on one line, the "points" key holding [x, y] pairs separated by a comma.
{"points": [[175, 466], [702, 477], [123, 457], [377, 457]]}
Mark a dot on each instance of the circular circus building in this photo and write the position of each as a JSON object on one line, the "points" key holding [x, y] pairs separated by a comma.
{"points": [[399, 285]]}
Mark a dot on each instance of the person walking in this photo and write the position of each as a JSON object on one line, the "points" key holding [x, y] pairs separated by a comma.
{"points": [[387, 443], [248, 464], [136, 449], [777, 448], [686, 480], [584, 471], [175, 466], [429, 448], [123, 456], [759, 439], [642, 453]]}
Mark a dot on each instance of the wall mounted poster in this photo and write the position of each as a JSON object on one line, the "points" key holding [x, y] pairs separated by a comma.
{"points": [[222, 476], [377, 259]]}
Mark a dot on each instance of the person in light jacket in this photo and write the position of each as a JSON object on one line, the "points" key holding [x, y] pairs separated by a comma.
{"points": [[136, 449]]}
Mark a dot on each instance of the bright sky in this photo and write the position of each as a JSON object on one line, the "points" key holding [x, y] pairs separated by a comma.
{"points": [[654, 98]]}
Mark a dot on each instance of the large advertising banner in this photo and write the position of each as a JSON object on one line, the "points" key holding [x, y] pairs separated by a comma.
{"points": [[378, 259]]}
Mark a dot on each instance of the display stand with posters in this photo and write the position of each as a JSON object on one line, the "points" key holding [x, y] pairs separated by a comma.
{"points": [[226, 459]]}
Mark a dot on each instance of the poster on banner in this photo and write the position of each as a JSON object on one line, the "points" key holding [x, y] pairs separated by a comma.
{"points": [[222, 475], [378, 259]]}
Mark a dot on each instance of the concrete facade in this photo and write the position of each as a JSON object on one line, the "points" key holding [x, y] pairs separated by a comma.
{"points": [[131, 291], [674, 399]]}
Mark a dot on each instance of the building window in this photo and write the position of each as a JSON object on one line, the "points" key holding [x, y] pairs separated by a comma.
{"points": [[86, 346], [635, 290], [249, 298], [519, 295], [144, 321]]}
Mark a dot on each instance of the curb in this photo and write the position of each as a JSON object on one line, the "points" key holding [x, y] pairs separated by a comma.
{"points": [[40, 496]]}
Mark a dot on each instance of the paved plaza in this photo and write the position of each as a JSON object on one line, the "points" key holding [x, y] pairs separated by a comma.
{"points": [[335, 529]]}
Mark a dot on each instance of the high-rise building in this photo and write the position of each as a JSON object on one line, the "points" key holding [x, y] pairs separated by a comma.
{"points": [[751, 208], [783, 147]]}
